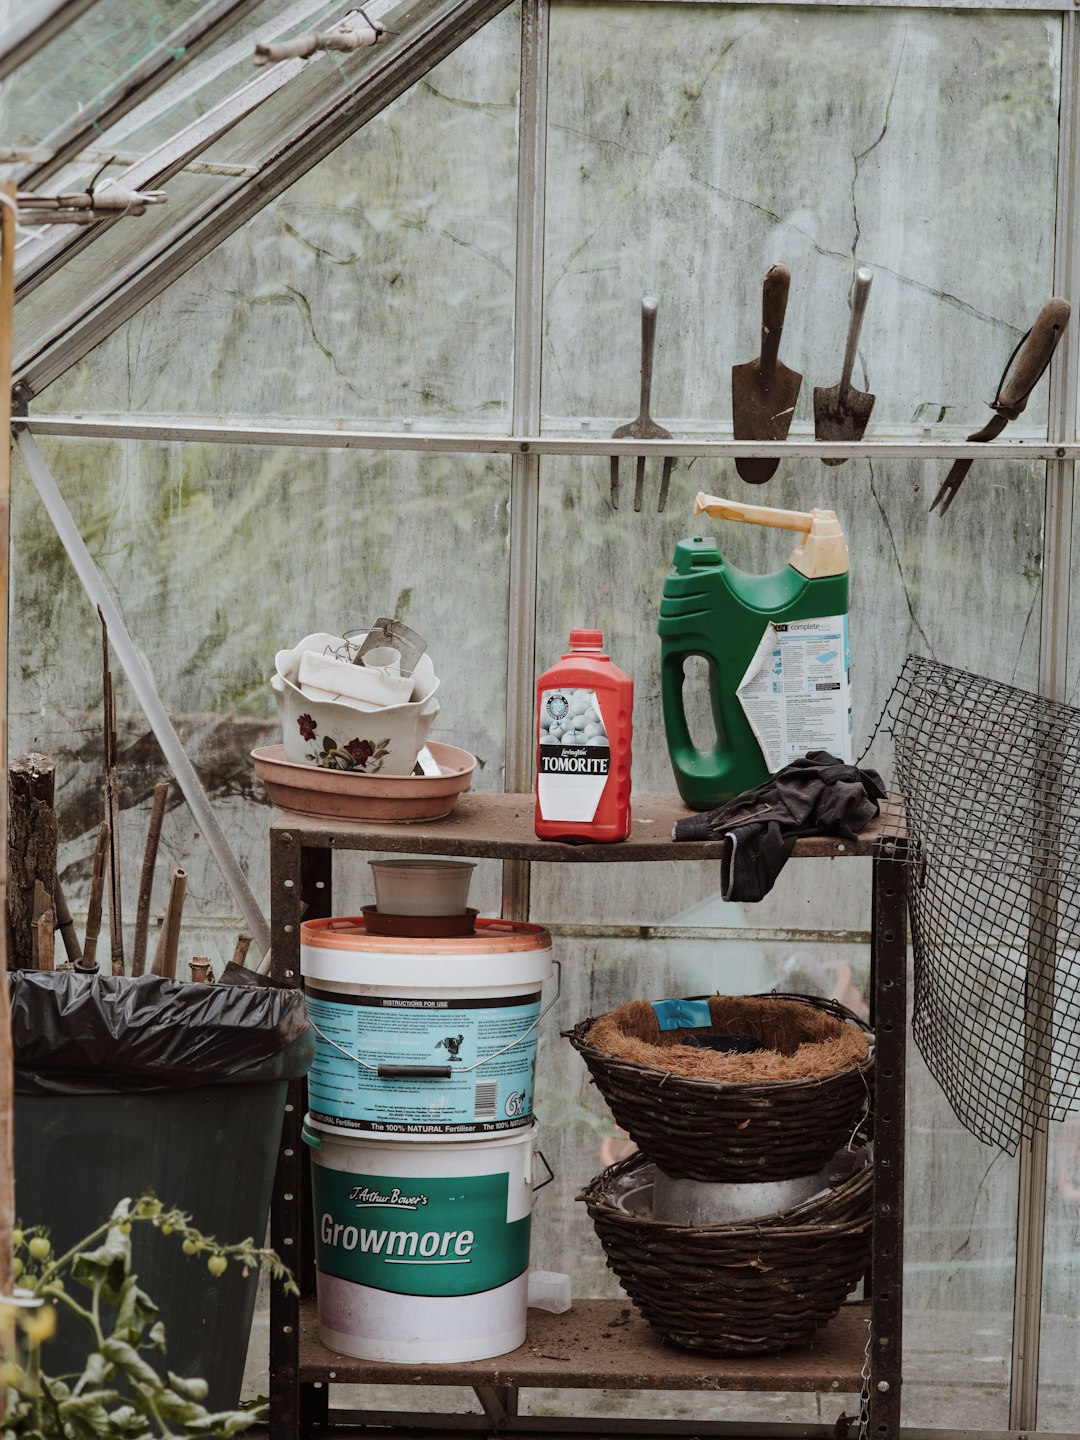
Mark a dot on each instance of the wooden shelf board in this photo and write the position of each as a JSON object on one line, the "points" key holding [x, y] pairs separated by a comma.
{"points": [[605, 1345], [500, 826]]}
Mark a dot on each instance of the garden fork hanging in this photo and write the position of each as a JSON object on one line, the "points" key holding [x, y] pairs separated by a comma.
{"points": [[644, 427]]}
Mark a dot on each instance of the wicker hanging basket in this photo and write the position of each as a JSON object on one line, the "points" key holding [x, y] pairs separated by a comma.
{"points": [[750, 1287], [708, 1129]]}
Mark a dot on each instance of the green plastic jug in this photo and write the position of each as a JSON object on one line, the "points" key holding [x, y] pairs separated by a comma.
{"points": [[776, 648]]}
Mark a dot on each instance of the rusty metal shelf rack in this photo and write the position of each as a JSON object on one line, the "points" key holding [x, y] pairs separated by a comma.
{"points": [[598, 1344]]}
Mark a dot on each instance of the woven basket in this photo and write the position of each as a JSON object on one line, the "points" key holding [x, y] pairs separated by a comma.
{"points": [[710, 1130], [751, 1287]]}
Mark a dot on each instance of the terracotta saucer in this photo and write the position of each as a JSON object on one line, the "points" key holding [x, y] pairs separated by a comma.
{"points": [[347, 795], [420, 927]]}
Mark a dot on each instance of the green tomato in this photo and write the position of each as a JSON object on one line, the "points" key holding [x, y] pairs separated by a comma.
{"points": [[191, 1247], [39, 1247], [16, 1238], [217, 1264]]}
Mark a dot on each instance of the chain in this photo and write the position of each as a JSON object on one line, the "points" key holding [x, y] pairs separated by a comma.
{"points": [[864, 1394]]}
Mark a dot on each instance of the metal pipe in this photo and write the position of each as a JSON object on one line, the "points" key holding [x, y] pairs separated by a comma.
{"points": [[525, 469], [145, 691], [530, 443], [1053, 662]]}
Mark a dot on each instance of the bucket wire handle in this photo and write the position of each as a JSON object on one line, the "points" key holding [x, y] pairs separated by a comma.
{"points": [[442, 1072], [550, 1175]]}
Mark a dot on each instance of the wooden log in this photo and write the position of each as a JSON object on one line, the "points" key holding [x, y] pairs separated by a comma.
{"points": [[31, 845], [169, 939], [45, 940], [146, 879]]}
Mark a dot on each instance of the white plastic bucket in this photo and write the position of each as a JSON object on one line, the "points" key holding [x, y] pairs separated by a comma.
{"points": [[422, 1251], [423, 1039]]}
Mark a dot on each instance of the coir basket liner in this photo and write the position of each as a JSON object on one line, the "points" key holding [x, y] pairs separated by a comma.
{"points": [[817, 1059], [750, 1287]]}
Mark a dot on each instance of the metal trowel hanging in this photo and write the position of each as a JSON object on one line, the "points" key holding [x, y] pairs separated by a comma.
{"points": [[764, 391], [1032, 357], [840, 412]]}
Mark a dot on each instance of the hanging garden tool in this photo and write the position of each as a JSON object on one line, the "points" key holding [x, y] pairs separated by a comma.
{"points": [[644, 427], [1032, 357], [840, 412], [764, 391]]}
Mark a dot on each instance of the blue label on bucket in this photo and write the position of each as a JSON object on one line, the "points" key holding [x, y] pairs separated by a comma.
{"points": [[390, 1030]]}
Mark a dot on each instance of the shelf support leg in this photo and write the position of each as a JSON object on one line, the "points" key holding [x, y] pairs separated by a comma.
{"points": [[889, 1017]]}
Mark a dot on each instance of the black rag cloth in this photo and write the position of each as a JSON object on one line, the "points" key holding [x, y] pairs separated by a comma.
{"points": [[817, 795]]}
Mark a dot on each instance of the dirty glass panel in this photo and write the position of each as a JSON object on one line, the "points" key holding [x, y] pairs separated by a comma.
{"points": [[1059, 1387], [91, 53], [691, 147], [219, 557], [378, 288]]}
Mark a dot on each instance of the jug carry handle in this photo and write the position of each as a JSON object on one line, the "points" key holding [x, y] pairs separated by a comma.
{"points": [[414, 1072], [442, 1072], [721, 509], [550, 1173], [672, 682]]}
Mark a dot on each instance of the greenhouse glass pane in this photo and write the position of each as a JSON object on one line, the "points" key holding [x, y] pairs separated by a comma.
{"points": [[89, 55], [688, 152], [218, 557], [1059, 1384], [378, 288]]}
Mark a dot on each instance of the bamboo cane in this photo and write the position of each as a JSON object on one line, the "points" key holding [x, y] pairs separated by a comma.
{"points": [[169, 938], [146, 879], [97, 891], [66, 925], [201, 972], [112, 805], [243, 945]]}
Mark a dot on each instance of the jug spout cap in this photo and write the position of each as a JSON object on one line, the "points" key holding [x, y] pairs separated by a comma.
{"points": [[586, 640], [822, 551]]}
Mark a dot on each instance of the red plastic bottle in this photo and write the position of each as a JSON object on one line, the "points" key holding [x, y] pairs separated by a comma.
{"points": [[584, 706]]}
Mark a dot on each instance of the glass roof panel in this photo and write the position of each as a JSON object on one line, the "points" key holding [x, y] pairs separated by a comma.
{"points": [[379, 286], [91, 54]]}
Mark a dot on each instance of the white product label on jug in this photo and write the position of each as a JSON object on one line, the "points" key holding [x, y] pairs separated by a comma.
{"points": [[575, 755], [451, 1034], [796, 692]]}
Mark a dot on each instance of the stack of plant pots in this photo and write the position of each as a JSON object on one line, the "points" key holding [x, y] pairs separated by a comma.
{"points": [[744, 1220], [420, 1118]]}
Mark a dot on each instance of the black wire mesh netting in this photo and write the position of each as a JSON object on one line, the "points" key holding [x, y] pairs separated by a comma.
{"points": [[990, 778]]}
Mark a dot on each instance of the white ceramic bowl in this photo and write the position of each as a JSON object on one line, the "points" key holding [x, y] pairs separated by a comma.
{"points": [[422, 887], [383, 741]]}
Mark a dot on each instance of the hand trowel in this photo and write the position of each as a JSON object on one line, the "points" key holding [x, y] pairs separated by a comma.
{"points": [[764, 391], [841, 412]]}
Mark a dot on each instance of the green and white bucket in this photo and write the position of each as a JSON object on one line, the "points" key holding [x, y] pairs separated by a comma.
{"points": [[422, 1249]]}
